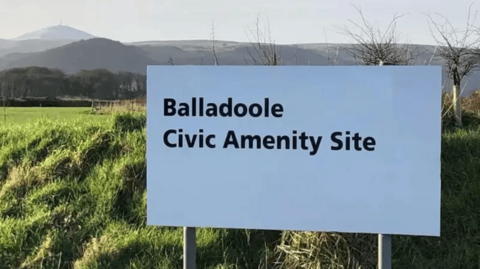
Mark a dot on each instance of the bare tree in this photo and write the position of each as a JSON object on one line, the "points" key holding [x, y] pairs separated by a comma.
{"points": [[460, 52], [373, 46], [213, 44], [265, 50], [330, 61]]}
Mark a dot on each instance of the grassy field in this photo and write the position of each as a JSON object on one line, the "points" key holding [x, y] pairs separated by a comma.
{"points": [[72, 195], [21, 115]]}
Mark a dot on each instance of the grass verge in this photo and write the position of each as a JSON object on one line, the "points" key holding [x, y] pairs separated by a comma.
{"points": [[72, 195]]}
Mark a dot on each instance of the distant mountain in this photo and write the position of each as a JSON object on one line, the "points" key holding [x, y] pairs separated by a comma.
{"points": [[72, 50], [165, 53], [115, 56], [193, 45], [85, 54], [228, 53], [43, 39], [58, 32], [30, 45]]}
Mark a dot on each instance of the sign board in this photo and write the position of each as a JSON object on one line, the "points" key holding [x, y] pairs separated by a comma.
{"points": [[311, 148]]}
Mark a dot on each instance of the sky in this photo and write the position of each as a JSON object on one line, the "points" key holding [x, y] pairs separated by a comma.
{"points": [[291, 21]]}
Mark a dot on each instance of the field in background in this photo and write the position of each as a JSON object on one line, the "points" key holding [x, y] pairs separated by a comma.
{"points": [[104, 107], [72, 195], [92, 111], [22, 115]]}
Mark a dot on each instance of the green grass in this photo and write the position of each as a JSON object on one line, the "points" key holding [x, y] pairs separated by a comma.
{"points": [[21, 115], [459, 244], [72, 195]]}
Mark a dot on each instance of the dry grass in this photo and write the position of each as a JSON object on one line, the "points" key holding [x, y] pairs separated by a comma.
{"points": [[470, 103], [470, 110], [135, 105], [326, 250]]}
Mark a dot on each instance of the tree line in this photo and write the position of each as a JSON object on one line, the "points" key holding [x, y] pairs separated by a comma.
{"points": [[91, 84]]}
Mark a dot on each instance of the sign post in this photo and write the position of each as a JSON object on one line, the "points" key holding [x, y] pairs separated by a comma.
{"points": [[384, 251], [384, 240], [189, 248], [357, 145]]}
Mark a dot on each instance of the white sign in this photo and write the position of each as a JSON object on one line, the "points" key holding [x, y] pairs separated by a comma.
{"points": [[312, 148]]}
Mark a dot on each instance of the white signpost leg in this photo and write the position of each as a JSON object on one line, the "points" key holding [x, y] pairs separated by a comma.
{"points": [[384, 251], [189, 248], [384, 242]]}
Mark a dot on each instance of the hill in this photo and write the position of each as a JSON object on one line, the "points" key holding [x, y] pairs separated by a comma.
{"points": [[89, 54], [59, 47], [42, 39], [58, 32], [30, 45], [164, 53]]}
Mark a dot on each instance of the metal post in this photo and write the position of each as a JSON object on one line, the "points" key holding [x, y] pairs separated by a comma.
{"points": [[384, 240], [384, 251], [189, 248]]}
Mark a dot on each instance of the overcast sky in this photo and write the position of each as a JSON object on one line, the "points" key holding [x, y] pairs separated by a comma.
{"points": [[291, 21]]}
